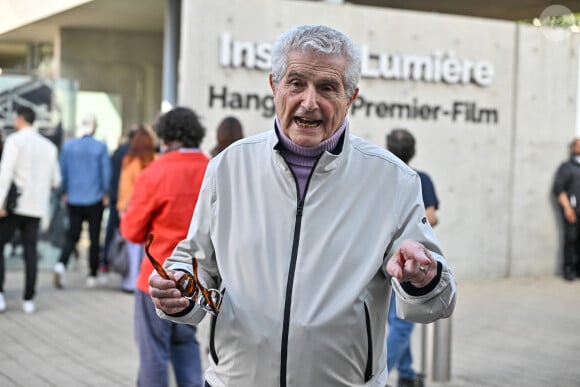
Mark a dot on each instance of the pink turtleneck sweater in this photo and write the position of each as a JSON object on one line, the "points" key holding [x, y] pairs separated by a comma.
{"points": [[301, 159]]}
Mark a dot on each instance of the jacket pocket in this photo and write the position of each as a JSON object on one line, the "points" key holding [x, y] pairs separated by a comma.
{"points": [[369, 366]]}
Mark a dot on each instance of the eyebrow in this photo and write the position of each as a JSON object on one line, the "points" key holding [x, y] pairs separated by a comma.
{"points": [[326, 80], [295, 73]]}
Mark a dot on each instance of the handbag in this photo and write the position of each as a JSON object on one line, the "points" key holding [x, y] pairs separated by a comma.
{"points": [[58, 225], [117, 254], [11, 200]]}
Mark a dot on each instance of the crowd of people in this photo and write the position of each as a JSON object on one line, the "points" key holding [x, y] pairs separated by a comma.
{"points": [[269, 234]]}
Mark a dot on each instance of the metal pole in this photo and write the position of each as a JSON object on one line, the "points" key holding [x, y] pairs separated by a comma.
{"points": [[171, 54], [425, 361], [442, 350]]}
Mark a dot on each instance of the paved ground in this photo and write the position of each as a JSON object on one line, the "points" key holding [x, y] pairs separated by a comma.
{"points": [[516, 332]]}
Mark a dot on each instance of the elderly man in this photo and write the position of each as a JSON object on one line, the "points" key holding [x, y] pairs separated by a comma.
{"points": [[305, 230]]}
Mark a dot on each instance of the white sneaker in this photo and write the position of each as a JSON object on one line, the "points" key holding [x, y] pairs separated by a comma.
{"points": [[91, 282], [2, 303], [103, 278], [59, 274], [28, 306]]}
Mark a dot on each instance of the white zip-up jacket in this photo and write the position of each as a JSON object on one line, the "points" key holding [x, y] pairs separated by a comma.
{"points": [[305, 286]]}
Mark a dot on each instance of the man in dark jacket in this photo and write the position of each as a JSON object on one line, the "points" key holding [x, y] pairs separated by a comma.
{"points": [[567, 192]]}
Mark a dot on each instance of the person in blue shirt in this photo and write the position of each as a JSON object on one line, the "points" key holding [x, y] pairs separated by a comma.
{"points": [[402, 144], [86, 175]]}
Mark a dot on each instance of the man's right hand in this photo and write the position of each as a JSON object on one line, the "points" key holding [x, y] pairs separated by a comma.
{"points": [[569, 211], [165, 295], [570, 215]]}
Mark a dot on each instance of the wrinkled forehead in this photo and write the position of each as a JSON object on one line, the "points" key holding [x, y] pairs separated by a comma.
{"points": [[316, 53], [316, 61]]}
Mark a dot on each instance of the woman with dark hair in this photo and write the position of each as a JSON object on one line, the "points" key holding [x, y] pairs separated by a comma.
{"points": [[141, 153], [176, 129], [228, 131], [162, 203]]}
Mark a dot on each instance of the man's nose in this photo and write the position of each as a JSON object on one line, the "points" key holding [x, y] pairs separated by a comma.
{"points": [[309, 99]]}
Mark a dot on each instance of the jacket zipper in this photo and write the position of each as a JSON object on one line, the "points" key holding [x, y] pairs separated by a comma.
{"points": [[291, 272]]}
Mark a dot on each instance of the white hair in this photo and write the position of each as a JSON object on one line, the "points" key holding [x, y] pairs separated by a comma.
{"points": [[319, 39]]}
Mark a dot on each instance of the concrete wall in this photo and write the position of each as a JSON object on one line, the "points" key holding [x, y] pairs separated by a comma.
{"points": [[127, 64], [545, 108]]}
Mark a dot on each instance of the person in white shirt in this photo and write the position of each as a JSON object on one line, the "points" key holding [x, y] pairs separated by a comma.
{"points": [[30, 161]]}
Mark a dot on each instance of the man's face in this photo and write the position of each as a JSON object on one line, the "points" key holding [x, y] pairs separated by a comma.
{"points": [[576, 148], [311, 100], [19, 122]]}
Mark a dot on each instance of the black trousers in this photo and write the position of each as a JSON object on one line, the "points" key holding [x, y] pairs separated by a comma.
{"points": [[28, 227], [572, 247], [93, 214]]}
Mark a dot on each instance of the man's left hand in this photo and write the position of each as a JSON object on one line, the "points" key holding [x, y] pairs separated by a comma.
{"points": [[106, 201], [3, 213], [412, 262]]}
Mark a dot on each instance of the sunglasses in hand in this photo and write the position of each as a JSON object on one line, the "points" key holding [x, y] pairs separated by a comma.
{"points": [[210, 300]]}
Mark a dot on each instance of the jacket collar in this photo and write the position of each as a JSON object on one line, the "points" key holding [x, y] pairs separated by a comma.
{"points": [[574, 161], [328, 160]]}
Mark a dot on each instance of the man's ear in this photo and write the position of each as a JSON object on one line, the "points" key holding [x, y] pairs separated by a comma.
{"points": [[272, 85], [351, 99]]}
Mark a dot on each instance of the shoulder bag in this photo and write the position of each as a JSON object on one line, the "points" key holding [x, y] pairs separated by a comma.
{"points": [[11, 200]]}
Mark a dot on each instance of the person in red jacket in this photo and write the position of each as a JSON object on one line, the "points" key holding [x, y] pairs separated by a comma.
{"points": [[162, 203]]}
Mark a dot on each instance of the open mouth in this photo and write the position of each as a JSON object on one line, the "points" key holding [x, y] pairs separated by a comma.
{"points": [[307, 123]]}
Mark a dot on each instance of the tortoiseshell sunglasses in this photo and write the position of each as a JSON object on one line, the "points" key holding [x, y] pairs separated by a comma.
{"points": [[210, 300]]}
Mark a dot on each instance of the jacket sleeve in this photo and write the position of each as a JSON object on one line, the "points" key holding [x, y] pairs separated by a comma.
{"points": [[197, 244], [561, 180], [439, 301]]}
